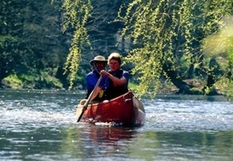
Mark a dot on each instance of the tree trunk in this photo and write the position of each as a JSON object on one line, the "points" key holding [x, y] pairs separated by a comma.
{"points": [[183, 87]]}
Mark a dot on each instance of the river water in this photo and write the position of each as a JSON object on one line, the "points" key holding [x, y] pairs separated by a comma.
{"points": [[41, 125]]}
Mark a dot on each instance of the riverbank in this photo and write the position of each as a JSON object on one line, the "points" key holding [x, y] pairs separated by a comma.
{"points": [[166, 88]]}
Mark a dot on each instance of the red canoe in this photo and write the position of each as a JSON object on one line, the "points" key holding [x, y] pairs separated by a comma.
{"points": [[125, 110]]}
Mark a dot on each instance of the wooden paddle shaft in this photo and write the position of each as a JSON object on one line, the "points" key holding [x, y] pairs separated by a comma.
{"points": [[88, 100]]}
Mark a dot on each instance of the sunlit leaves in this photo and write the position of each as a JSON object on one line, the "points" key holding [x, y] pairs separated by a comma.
{"points": [[162, 32], [170, 32], [222, 41], [155, 29], [76, 14], [220, 44]]}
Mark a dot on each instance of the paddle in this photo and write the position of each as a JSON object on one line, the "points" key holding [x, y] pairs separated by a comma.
{"points": [[88, 100]]}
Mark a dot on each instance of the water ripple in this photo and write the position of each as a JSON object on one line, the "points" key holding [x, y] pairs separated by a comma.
{"points": [[189, 115]]}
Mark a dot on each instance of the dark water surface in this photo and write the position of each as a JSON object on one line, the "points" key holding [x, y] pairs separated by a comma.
{"points": [[42, 126]]}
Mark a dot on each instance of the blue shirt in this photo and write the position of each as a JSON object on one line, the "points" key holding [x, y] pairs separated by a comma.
{"points": [[91, 80]]}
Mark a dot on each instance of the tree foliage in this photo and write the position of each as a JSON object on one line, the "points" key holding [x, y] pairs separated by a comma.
{"points": [[76, 14], [220, 46], [162, 41], [169, 35], [30, 41]]}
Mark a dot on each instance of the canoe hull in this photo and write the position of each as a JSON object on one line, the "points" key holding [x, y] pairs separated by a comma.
{"points": [[125, 110]]}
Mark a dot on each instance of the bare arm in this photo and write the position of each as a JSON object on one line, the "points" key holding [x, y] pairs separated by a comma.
{"points": [[117, 81], [95, 93]]}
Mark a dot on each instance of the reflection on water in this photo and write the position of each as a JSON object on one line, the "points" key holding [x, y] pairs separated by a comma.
{"points": [[101, 141], [42, 126]]}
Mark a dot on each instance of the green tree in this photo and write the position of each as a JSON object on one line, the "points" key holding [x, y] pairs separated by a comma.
{"points": [[169, 35], [76, 14], [32, 46], [10, 27]]}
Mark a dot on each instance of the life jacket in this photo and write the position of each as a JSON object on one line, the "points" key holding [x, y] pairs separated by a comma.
{"points": [[113, 90]]}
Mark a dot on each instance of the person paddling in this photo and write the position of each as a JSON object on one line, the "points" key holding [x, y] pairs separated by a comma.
{"points": [[98, 63], [110, 84], [117, 80]]}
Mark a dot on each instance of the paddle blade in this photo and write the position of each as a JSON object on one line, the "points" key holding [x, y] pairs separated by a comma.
{"points": [[80, 116], [79, 110]]}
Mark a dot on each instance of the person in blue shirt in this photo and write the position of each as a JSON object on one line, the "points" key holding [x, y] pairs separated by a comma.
{"points": [[115, 80], [98, 63]]}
